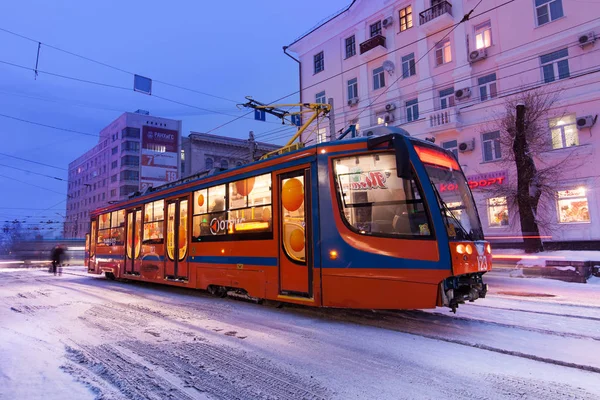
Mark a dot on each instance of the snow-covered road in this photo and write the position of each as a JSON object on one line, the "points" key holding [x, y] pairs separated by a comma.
{"points": [[83, 337]]}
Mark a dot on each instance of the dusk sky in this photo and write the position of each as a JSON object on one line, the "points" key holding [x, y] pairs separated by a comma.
{"points": [[230, 50]]}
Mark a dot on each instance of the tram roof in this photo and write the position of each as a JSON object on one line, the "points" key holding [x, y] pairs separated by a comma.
{"points": [[183, 185]]}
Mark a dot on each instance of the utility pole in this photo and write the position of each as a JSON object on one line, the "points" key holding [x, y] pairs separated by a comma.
{"points": [[526, 176], [331, 120]]}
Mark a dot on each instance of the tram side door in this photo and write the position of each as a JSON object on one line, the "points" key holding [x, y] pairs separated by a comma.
{"points": [[134, 241], [92, 248], [295, 256], [176, 265]]}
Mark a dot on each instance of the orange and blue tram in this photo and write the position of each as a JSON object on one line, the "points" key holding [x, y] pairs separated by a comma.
{"points": [[383, 222]]}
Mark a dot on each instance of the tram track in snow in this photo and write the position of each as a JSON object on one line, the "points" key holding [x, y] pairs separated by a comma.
{"points": [[421, 321], [584, 317]]}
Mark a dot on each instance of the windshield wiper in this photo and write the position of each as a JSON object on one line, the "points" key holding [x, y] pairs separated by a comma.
{"points": [[449, 211]]}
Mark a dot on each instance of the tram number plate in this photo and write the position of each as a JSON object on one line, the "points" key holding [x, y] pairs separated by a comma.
{"points": [[482, 264]]}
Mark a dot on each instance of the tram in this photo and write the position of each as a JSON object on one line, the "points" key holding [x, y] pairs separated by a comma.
{"points": [[380, 222]]}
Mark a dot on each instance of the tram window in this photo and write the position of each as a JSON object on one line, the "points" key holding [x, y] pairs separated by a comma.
{"points": [[111, 229], [375, 201], [246, 213], [250, 192], [154, 215]]}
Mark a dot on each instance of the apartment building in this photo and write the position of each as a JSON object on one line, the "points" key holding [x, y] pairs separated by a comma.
{"points": [[423, 66]]}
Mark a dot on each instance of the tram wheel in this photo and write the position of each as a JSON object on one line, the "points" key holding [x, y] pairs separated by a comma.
{"points": [[110, 275]]}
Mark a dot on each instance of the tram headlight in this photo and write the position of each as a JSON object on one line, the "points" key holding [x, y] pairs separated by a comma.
{"points": [[469, 249], [488, 248], [460, 248]]}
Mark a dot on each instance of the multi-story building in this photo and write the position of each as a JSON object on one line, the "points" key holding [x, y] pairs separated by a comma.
{"points": [[135, 151], [203, 152], [423, 66]]}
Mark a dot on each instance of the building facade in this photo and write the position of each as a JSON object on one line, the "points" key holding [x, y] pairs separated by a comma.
{"points": [[135, 151], [203, 152], [412, 64]]}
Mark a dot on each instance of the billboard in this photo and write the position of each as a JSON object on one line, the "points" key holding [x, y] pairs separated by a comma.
{"points": [[160, 156]]}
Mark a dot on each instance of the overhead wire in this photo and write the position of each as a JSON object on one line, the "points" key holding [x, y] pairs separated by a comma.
{"points": [[112, 66]]}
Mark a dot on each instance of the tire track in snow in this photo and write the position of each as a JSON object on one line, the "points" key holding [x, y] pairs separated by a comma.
{"points": [[225, 373], [121, 373]]}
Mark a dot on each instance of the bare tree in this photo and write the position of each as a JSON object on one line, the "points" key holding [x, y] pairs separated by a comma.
{"points": [[531, 186]]}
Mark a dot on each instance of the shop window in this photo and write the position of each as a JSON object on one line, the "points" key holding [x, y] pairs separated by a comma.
{"points": [[497, 212], [573, 206]]}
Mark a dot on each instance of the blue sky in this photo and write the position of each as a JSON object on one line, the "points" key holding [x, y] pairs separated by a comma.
{"points": [[230, 49]]}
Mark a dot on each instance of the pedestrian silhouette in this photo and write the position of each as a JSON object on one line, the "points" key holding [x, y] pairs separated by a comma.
{"points": [[57, 256]]}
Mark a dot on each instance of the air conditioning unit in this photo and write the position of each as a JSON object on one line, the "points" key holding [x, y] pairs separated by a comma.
{"points": [[463, 147], [588, 38], [390, 107], [586, 122], [388, 118], [477, 55], [386, 23], [353, 102], [462, 94]]}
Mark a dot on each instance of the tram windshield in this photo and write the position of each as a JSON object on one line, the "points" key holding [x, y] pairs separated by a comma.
{"points": [[375, 201], [453, 195]]}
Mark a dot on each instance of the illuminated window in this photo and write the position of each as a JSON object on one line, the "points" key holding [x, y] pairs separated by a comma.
{"points": [[406, 18], [483, 35], [111, 229], [443, 52], [564, 132], [241, 208], [497, 212], [154, 215], [573, 206]]}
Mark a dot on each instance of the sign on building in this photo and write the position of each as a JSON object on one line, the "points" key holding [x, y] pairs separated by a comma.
{"points": [[159, 156]]}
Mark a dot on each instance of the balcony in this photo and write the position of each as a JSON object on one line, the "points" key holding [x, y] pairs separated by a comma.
{"points": [[370, 44], [445, 119], [437, 17]]}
